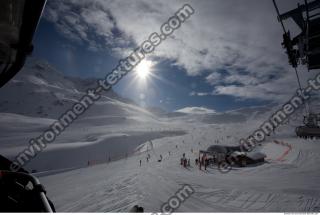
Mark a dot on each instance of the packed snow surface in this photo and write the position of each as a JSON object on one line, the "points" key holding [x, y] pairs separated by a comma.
{"points": [[290, 184]]}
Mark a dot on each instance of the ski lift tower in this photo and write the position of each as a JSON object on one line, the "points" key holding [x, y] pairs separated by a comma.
{"points": [[304, 49]]}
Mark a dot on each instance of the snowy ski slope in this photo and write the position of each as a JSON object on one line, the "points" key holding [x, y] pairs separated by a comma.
{"points": [[78, 176]]}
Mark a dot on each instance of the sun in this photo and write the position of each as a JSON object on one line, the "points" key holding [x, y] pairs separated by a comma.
{"points": [[143, 69]]}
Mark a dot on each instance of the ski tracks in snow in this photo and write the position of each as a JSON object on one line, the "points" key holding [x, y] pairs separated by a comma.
{"points": [[239, 200]]}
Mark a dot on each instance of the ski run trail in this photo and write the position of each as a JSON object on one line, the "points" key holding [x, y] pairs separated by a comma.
{"points": [[288, 181]]}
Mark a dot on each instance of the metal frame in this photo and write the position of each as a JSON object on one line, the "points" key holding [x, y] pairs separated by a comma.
{"points": [[305, 50], [30, 19], [36, 184]]}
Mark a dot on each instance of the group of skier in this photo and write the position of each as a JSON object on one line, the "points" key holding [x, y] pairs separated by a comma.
{"points": [[203, 162], [184, 161], [148, 158]]}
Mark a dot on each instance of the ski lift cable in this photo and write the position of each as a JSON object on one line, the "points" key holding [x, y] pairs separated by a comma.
{"points": [[300, 87], [286, 33], [307, 28], [307, 11], [278, 13], [298, 78], [307, 43]]}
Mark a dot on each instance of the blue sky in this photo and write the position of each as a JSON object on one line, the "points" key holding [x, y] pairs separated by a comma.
{"points": [[223, 58]]}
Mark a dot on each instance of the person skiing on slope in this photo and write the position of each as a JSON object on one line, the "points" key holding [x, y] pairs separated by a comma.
{"points": [[206, 161], [202, 162]]}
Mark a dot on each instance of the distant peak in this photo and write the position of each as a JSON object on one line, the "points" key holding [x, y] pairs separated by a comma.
{"points": [[196, 110]]}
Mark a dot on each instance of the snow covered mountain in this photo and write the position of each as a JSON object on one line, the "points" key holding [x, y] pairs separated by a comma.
{"points": [[45, 92], [40, 90], [93, 165], [39, 94], [209, 116]]}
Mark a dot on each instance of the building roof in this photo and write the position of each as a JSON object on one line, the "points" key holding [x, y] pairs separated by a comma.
{"points": [[256, 155], [223, 149]]}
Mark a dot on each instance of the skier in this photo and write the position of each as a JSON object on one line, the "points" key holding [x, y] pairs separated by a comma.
{"points": [[205, 163], [140, 162], [147, 159], [202, 162]]}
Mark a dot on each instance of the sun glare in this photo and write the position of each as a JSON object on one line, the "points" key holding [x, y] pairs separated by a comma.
{"points": [[143, 69]]}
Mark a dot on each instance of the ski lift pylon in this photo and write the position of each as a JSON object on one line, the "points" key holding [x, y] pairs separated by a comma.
{"points": [[304, 48]]}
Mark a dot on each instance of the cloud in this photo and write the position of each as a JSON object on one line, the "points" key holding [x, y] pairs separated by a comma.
{"points": [[86, 22], [219, 34], [236, 44], [214, 78], [196, 110], [194, 93]]}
